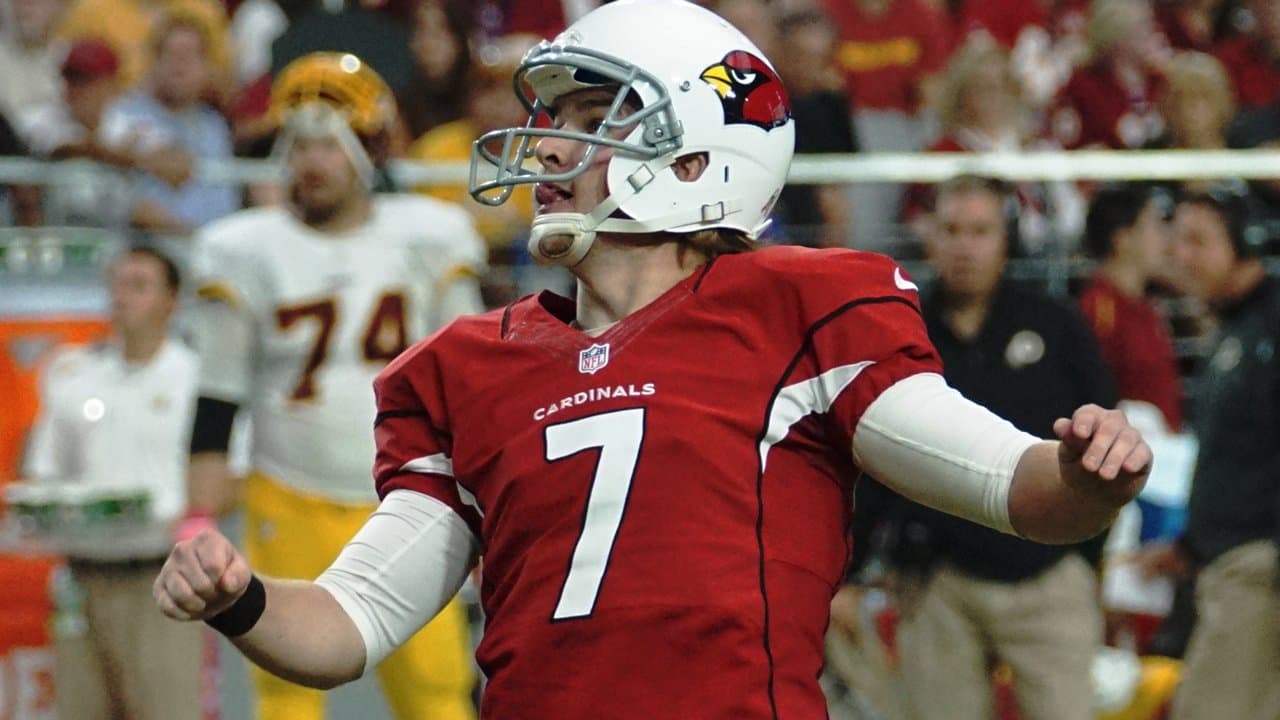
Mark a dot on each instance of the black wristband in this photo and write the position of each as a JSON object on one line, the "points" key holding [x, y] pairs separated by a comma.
{"points": [[244, 613]]}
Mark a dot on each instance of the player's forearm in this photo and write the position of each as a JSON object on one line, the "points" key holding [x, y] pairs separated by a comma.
{"points": [[304, 636], [1045, 508], [211, 486]]}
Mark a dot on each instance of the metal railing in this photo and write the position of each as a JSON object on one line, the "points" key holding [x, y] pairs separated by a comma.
{"points": [[824, 169]]}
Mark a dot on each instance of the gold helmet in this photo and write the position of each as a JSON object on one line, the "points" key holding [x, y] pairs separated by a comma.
{"points": [[332, 95], [339, 80]]}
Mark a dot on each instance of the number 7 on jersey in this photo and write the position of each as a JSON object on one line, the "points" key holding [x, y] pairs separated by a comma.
{"points": [[619, 435]]}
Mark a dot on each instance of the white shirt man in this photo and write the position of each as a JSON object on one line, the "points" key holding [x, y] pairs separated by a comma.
{"points": [[119, 415], [109, 422]]}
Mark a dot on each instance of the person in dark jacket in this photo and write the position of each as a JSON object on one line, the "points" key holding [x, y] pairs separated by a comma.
{"points": [[1233, 515], [972, 594]]}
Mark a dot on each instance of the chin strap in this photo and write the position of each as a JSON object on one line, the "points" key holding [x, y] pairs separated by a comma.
{"points": [[583, 227]]}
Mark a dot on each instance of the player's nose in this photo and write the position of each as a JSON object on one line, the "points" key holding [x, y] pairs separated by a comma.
{"points": [[553, 153]]}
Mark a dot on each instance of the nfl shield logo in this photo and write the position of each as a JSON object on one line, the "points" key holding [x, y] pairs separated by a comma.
{"points": [[593, 359]]}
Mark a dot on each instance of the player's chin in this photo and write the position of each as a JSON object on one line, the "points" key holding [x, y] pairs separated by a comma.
{"points": [[318, 201]]}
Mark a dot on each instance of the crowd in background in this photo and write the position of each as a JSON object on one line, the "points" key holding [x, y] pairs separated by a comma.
{"points": [[152, 87]]}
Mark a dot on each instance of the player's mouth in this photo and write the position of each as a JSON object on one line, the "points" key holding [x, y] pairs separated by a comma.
{"points": [[548, 194]]}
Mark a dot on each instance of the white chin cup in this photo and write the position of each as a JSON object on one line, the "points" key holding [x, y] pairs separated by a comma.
{"points": [[575, 225]]}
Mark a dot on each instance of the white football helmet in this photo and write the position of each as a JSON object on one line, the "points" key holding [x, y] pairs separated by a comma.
{"points": [[704, 88]]}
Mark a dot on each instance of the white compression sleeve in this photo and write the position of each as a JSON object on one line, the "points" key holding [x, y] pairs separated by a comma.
{"points": [[926, 441], [403, 567]]}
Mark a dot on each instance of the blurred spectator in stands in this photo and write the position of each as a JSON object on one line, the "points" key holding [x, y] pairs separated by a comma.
{"points": [[889, 52], [814, 215], [978, 593], [1191, 24], [1046, 39], [118, 416], [1232, 667], [1252, 58], [1128, 233], [540, 18], [19, 204], [29, 55], [71, 128], [491, 105], [254, 27], [437, 93], [172, 115], [1256, 59], [756, 19], [129, 27], [1197, 103], [980, 107], [443, 30], [1111, 101]]}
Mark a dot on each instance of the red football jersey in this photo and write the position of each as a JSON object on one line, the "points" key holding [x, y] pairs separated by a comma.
{"points": [[663, 508], [1135, 342]]}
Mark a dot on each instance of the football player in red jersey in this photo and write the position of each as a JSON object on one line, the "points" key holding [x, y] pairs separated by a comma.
{"points": [[657, 473]]}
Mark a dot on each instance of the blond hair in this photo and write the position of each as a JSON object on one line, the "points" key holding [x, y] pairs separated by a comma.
{"points": [[1109, 21], [716, 242], [977, 54], [1197, 74]]}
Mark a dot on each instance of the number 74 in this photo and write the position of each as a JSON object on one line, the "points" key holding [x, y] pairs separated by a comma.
{"points": [[385, 335]]}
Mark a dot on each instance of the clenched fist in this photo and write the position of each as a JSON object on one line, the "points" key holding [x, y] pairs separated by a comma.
{"points": [[1102, 455], [202, 577]]}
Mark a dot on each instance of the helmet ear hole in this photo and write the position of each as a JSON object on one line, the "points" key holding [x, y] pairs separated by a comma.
{"points": [[689, 168]]}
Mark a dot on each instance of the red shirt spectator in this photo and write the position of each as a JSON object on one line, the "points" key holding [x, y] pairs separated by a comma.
{"points": [[1111, 102], [1045, 38], [1003, 20], [886, 48], [1254, 69], [1006, 20], [1136, 345], [1097, 109]]}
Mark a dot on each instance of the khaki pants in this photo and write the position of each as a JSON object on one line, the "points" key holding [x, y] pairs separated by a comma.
{"points": [[131, 662], [1232, 667], [865, 669], [1047, 629]]}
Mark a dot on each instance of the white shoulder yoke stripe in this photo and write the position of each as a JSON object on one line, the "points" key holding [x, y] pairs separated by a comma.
{"points": [[795, 402], [441, 464], [437, 464]]}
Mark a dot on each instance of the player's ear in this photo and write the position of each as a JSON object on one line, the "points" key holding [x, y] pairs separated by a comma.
{"points": [[690, 167]]}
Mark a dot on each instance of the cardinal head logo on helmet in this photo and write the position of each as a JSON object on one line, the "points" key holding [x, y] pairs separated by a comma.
{"points": [[749, 90]]}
